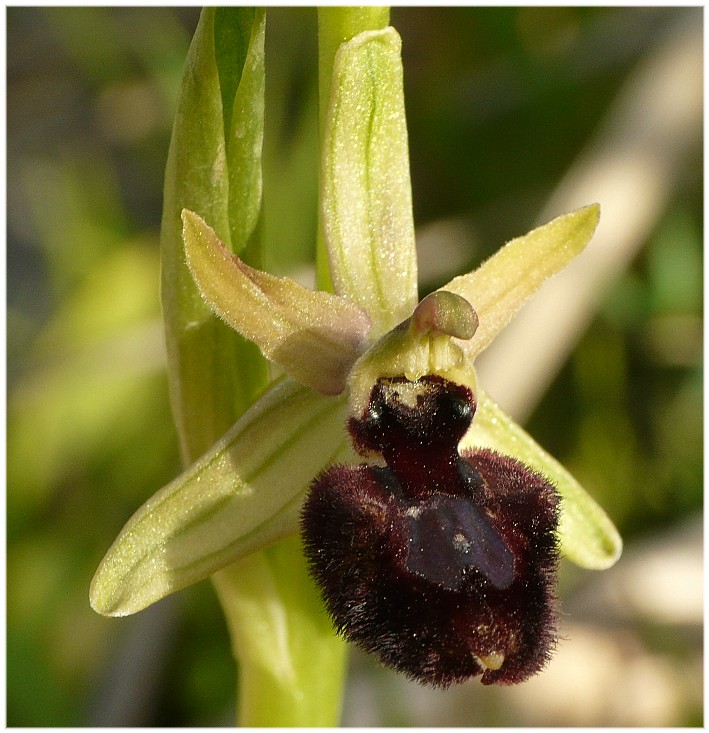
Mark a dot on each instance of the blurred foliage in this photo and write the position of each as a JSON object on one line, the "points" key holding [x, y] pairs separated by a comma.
{"points": [[500, 101]]}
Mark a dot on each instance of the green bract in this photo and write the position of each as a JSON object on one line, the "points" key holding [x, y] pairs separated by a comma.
{"points": [[245, 492], [213, 168]]}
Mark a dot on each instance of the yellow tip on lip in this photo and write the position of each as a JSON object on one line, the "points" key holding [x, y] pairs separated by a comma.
{"points": [[493, 660]]}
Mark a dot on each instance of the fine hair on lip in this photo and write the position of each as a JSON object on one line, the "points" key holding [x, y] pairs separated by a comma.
{"points": [[453, 575]]}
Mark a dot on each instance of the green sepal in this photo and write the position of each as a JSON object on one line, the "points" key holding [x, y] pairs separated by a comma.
{"points": [[588, 537], [242, 495], [501, 285], [366, 188], [337, 25]]}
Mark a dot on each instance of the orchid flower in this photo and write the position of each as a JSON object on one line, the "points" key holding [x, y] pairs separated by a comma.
{"points": [[247, 491]]}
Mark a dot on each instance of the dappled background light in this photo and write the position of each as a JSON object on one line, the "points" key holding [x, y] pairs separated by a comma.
{"points": [[515, 115]]}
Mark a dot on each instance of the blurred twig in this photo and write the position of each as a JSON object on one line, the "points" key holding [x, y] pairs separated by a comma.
{"points": [[631, 168]]}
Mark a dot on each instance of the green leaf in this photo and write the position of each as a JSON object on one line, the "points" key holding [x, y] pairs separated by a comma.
{"points": [[500, 286], [315, 336], [232, 37], [366, 188], [241, 496], [213, 168], [588, 537]]}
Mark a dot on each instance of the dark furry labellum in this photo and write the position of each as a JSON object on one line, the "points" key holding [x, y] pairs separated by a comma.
{"points": [[441, 563]]}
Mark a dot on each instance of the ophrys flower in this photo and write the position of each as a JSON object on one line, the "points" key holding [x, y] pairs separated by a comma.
{"points": [[248, 490]]}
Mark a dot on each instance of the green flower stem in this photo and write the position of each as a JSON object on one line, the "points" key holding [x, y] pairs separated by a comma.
{"points": [[291, 664], [336, 25]]}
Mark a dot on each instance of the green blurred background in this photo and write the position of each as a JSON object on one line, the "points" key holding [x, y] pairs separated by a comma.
{"points": [[501, 103]]}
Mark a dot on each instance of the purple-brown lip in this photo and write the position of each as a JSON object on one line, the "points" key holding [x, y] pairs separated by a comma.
{"points": [[443, 564]]}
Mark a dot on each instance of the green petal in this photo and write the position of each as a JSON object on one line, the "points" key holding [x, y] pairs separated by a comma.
{"points": [[315, 336], [242, 495], [587, 535], [366, 197], [501, 285]]}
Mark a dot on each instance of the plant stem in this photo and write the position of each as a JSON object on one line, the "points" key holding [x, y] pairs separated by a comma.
{"points": [[291, 665]]}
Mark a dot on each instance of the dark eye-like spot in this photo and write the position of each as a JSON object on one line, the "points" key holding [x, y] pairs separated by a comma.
{"points": [[429, 415], [442, 564]]}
